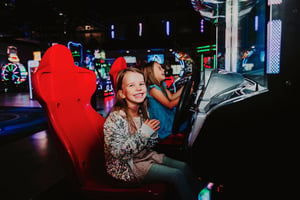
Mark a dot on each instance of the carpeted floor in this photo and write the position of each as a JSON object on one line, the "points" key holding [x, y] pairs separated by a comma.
{"points": [[17, 122]]}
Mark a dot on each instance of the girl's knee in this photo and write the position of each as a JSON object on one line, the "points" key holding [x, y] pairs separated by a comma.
{"points": [[178, 175]]}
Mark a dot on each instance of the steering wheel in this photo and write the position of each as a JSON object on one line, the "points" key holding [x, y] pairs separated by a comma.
{"points": [[183, 106]]}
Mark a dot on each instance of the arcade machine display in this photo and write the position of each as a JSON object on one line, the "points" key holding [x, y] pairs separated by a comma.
{"points": [[160, 58], [89, 60], [13, 73], [130, 60], [102, 72]]}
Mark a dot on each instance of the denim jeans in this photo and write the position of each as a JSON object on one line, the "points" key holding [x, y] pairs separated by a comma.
{"points": [[178, 174]]}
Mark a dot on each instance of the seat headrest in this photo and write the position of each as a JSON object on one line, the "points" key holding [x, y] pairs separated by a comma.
{"points": [[58, 58], [59, 79], [119, 64]]}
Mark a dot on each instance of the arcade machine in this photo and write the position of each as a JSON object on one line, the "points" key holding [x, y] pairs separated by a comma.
{"points": [[32, 67], [233, 112], [13, 73], [89, 60], [160, 58], [182, 71], [102, 72], [130, 60], [207, 54], [77, 52]]}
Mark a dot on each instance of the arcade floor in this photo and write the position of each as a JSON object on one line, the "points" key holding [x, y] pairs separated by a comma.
{"points": [[30, 169]]}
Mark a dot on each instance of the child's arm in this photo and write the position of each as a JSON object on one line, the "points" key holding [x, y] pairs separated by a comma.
{"points": [[175, 95], [160, 97]]}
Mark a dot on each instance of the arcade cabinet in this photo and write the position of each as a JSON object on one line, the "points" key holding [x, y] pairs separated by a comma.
{"points": [[13, 73], [237, 106]]}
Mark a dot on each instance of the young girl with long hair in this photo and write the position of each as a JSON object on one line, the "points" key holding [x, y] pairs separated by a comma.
{"points": [[162, 103], [129, 136]]}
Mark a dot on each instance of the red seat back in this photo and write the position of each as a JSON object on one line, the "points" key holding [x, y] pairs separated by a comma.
{"points": [[119, 64], [64, 90]]}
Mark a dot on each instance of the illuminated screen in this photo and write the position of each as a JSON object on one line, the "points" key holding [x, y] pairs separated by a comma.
{"points": [[89, 60], [130, 59], [176, 69], [160, 58]]}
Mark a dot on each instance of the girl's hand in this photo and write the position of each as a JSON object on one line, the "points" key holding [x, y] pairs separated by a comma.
{"points": [[153, 123]]}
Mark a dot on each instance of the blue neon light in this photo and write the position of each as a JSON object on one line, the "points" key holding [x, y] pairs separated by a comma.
{"points": [[168, 28]]}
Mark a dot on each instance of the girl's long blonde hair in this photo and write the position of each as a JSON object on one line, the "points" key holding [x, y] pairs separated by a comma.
{"points": [[120, 103]]}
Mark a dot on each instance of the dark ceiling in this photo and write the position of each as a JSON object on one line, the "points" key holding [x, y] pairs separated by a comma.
{"points": [[41, 21]]}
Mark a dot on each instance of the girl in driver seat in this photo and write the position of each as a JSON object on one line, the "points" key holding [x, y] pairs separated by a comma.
{"points": [[162, 102]]}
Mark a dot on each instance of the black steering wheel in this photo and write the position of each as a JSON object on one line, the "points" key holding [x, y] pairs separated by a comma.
{"points": [[182, 109]]}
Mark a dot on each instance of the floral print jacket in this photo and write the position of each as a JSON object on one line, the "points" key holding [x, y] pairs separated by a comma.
{"points": [[120, 146]]}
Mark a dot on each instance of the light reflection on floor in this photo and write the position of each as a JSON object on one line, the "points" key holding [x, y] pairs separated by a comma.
{"points": [[40, 142], [18, 99]]}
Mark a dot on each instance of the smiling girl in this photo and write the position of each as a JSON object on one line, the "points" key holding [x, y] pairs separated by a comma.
{"points": [[129, 136]]}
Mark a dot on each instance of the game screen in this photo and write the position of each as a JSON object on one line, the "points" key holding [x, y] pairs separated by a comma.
{"points": [[102, 69], [130, 60], [160, 58], [176, 69], [208, 61], [89, 60]]}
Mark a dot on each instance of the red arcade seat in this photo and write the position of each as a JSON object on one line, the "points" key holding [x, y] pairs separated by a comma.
{"points": [[64, 90]]}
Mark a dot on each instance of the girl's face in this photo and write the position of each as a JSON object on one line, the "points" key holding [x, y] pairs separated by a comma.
{"points": [[134, 89], [159, 72]]}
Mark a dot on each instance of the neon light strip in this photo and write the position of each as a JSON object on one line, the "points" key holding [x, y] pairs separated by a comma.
{"points": [[215, 61], [256, 23], [140, 29], [203, 47], [112, 31], [202, 50], [168, 28], [202, 26]]}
